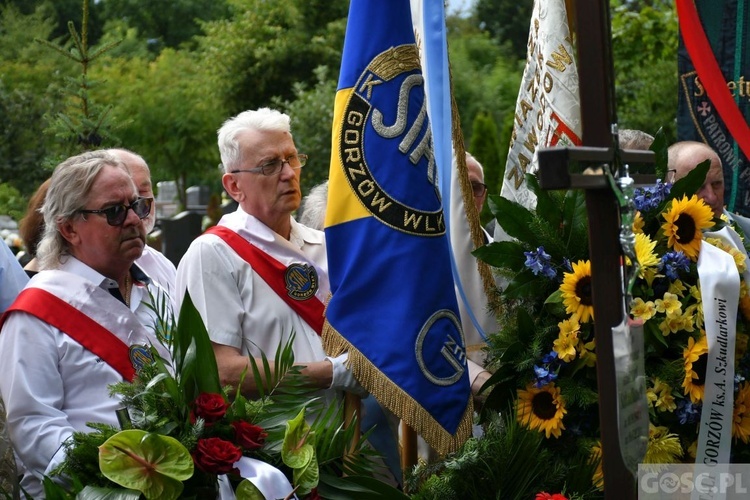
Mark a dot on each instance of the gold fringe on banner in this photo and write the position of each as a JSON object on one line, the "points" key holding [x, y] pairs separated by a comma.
{"points": [[477, 235], [396, 399]]}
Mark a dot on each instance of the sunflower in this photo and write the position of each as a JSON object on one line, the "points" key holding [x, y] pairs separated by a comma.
{"points": [[576, 292], [741, 423], [595, 457], [663, 446], [696, 358], [638, 223], [541, 409], [685, 220], [644, 252]]}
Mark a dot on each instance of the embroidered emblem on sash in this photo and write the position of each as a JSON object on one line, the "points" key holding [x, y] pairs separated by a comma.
{"points": [[301, 281], [140, 356]]}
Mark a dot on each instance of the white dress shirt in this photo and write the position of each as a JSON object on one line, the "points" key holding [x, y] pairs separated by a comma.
{"points": [[238, 308], [12, 277], [51, 384]]}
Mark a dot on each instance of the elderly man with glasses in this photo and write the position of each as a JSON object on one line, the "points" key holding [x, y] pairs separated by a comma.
{"points": [[684, 156], [259, 276], [85, 321]]}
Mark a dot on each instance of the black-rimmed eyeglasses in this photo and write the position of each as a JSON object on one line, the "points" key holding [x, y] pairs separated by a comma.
{"points": [[273, 167], [117, 214], [478, 188], [671, 173]]}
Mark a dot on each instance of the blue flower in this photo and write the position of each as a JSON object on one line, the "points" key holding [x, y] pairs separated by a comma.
{"points": [[674, 262], [540, 262], [548, 371], [687, 412], [650, 197]]}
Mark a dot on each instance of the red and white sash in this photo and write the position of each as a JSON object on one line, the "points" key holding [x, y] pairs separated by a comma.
{"points": [[274, 273], [89, 315]]}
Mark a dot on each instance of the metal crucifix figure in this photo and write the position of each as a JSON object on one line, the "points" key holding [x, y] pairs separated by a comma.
{"points": [[607, 195]]}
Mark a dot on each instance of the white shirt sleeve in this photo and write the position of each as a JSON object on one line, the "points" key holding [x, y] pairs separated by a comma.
{"points": [[12, 277]]}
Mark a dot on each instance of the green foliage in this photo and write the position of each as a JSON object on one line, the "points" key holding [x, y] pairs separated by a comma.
{"points": [[507, 22], [486, 148], [167, 111], [83, 125], [644, 49], [153, 458], [267, 47], [171, 24], [311, 112], [61, 12], [153, 464], [508, 462], [11, 202]]}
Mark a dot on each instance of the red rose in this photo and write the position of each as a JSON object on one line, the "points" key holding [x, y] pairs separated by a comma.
{"points": [[216, 456], [314, 495], [248, 436], [546, 496], [210, 407]]}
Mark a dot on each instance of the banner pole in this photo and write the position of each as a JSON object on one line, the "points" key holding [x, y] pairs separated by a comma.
{"points": [[352, 411]]}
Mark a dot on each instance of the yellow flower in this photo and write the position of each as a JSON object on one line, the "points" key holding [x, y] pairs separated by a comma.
{"points": [[692, 450], [644, 252], [670, 324], [638, 223], [738, 256], [595, 457], [642, 310], [678, 288], [541, 409], [697, 309], [744, 301], [670, 305], [663, 447], [586, 352], [567, 340], [576, 292], [740, 348], [695, 356], [741, 422], [684, 221], [662, 397]]}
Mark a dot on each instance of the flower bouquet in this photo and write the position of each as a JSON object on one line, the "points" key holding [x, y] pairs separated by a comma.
{"points": [[544, 357], [184, 436]]}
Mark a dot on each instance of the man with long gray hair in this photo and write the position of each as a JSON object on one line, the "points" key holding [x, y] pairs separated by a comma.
{"points": [[85, 321]]}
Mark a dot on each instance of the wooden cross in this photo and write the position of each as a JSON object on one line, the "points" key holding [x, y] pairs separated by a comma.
{"points": [[560, 168]]}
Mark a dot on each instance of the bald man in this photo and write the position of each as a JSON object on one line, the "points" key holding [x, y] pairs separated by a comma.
{"points": [[684, 156], [478, 187]]}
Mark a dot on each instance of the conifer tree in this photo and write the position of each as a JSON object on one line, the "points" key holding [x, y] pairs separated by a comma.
{"points": [[85, 125]]}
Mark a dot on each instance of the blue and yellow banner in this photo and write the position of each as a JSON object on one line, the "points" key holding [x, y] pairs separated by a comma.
{"points": [[393, 304]]}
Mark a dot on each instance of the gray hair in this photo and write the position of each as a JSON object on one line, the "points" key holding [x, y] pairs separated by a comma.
{"points": [[69, 189], [312, 212], [259, 119]]}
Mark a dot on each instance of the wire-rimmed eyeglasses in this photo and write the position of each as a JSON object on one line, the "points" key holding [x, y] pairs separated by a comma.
{"points": [[273, 167], [671, 173], [117, 214]]}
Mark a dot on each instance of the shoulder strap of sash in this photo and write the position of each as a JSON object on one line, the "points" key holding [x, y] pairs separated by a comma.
{"points": [[84, 330], [272, 272]]}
